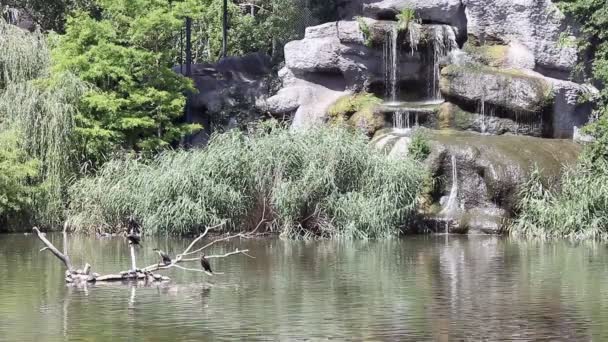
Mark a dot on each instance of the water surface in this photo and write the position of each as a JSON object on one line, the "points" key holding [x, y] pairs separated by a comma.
{"points": [[441, 288]]}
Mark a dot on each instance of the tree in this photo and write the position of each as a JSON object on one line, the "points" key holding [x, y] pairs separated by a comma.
{"points": [[127, 55]]}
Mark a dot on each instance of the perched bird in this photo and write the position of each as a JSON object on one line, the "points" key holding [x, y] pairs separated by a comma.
{"points": [[165, 258], [134, 239], [134, 234], [205, 264]]}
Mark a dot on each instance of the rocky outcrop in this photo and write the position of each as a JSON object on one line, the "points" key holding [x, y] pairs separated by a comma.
{"points": [[450, 12], [489, 171], [523, 96], [537, 25]]}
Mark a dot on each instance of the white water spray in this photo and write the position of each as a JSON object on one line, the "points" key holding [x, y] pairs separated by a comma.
{"points": [[391, 63], [451, 205]]}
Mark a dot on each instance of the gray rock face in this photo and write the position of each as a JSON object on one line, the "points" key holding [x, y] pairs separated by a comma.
{"points": [[572, 107], [230, 87], [449, 12], [535, 24], [513, 66], [536, 105], [230, 81]]}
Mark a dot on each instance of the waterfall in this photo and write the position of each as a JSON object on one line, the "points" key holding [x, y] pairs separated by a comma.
{"points": [[391, 63], [482, 111], [401, 120], [443, 41], [451, 205]]}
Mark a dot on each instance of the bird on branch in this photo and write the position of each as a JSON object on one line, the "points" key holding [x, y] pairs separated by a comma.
{"points": [[205, 264], [165, 258]]}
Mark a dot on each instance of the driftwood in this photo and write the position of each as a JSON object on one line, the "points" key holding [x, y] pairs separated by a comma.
{"points": [[145, 274]]}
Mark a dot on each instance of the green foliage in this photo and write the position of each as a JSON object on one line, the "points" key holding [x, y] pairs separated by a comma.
{"points": [[419, 148], [324, 182], [138, 101], [17, 170], [575, 210], [365, 29], [406, 18], [593, 18]]}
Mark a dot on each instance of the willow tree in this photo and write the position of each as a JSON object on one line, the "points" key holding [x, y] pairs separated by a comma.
{"points": [[38, 110]]}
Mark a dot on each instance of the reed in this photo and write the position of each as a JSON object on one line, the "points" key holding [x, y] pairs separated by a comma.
{"points": [[323, 182], [576, 209]]}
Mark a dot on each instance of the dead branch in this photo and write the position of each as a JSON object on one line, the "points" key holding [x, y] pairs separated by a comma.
{"points": [[146, 274], [63, 257]]}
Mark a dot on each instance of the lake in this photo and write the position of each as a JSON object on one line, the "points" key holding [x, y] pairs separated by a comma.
{"points": [[421, 288]]}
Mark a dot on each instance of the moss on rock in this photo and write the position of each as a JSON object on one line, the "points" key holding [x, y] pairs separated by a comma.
{"points": [[358, 110]]}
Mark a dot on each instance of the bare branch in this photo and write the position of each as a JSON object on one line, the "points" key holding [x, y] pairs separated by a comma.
{"points": [[53, 249], [214, 242], [207, 229], [237, 251]]}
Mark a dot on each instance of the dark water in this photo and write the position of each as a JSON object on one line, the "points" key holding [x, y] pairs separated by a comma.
{"points": [[417, 289]]}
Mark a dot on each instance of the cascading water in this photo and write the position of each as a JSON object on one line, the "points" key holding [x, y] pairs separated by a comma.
{"points": [[482, 111], [391, 63], [451, 206], [443, 41], [401, 120]]}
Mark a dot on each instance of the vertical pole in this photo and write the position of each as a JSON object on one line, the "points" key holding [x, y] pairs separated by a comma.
{"points": [[225, 30], [133, 265], [188, 70]]}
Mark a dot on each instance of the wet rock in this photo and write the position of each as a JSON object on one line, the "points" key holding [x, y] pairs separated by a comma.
{"points": [[489, 171], [454, 117]]}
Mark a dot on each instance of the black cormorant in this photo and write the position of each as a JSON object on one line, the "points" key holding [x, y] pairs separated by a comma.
{"points": [[166, 259], [205, 264]]}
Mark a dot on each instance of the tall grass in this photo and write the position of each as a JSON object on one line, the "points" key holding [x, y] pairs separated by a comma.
{"points": [[323, 182], [577, 209]]}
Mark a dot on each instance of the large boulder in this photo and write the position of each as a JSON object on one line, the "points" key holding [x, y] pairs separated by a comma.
{"points": [[510, 90], [306, 96]]}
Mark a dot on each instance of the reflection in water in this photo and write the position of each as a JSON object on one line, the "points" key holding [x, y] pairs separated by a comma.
{"points": [[419, 288]]}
